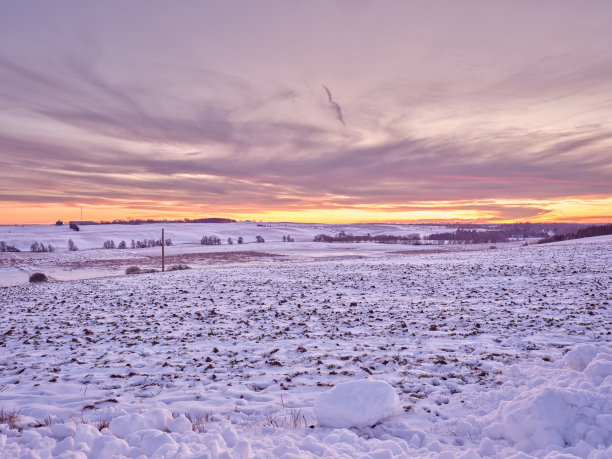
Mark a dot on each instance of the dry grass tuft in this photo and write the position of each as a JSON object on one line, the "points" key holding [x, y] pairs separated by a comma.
{"points": [[11, 418]]}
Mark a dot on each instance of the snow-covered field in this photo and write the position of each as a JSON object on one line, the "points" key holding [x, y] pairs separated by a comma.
{"points": [[481, 353], [91, 260]]}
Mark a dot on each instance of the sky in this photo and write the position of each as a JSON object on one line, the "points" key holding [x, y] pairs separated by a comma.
{"points": [[311, 111]]}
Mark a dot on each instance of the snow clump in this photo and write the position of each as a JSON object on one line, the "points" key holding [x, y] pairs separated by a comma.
{"points": [[579, 357], [356, 404]]}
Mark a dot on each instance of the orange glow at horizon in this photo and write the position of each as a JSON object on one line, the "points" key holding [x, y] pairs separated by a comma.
{"points": [[587, 209]]}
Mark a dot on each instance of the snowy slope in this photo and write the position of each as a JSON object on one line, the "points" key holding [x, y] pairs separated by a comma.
{"points": [[93, 236]]}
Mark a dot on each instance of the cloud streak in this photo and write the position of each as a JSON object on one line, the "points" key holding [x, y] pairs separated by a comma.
{"points": [[334, 106]]}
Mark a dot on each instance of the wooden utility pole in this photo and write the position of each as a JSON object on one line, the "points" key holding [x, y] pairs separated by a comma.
{"points": [[163, 245]]}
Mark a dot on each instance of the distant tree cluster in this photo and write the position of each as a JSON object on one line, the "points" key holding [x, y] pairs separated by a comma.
{"points": [[463, 236], [109, 244], [288, 239], [146, 243], [381, 238], [59, 223], [40, 247], [214, 240], [591, 231], [4, 247], [210, 240], [74, 227]]}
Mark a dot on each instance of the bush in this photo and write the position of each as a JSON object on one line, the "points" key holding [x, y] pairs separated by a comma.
{"points": [[4, 247], [178, 267], [137, 270], [240, 240], [230, 241], [72, 246], [122, 245], [259, 239], [38, 277], [109, 244]]}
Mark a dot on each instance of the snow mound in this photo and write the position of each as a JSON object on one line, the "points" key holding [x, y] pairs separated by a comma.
{"points": [[157, 418], [356, 404], [579, 357], [574, 411]]}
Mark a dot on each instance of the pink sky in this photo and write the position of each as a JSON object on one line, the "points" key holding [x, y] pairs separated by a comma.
{"points": [[302, 110]]}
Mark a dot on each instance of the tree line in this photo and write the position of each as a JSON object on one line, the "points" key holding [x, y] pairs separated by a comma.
{"points": [[590, 231], [381, 238]]}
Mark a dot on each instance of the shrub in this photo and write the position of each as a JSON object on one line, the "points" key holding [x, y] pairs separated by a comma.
{"points": [[109, 244], [239, 239], [4, 247], [210, 240], [12, 418], [38, 277], [122, 245], [259, 239], [137, 270], [72, 246], [178, 267], [230, 241]]}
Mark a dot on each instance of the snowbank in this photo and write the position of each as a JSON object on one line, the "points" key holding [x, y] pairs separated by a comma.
{"points": [[573, 411], [356, 404]]}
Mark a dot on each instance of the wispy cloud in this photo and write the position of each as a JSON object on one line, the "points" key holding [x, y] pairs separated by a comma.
{"points": [[334, 106]]}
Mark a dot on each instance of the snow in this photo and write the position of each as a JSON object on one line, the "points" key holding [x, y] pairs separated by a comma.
{"points": [[579, 357], [479, 353], [91, 261], [356, 404]]}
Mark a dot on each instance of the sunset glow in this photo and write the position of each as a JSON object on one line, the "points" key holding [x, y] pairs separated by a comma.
{"points": [[331, 112]]}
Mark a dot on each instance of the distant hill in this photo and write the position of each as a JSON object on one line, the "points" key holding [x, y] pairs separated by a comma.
{"points": [[211, 220]]}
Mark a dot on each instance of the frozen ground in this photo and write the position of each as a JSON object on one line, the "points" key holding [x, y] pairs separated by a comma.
{"points": [[491, 353]]}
